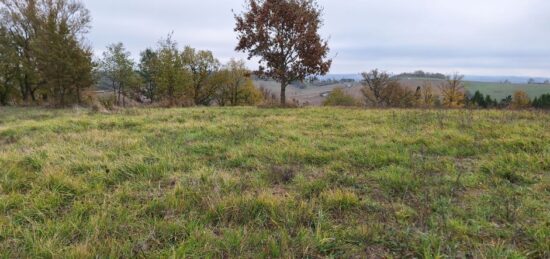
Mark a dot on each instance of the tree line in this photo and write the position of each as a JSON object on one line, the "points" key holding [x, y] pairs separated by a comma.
{"points": [[381, 90], [44, 59], [422, 74], [169, 76]]}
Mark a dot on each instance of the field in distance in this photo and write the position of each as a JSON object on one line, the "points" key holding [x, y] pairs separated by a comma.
{"points": [[248, 182], [314, 94]]}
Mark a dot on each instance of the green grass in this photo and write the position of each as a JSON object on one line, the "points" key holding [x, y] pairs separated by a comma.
{"points": [[247, 182], [501, 91]]}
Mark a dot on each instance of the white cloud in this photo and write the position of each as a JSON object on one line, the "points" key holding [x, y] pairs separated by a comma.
{"points": [[492, 37]]}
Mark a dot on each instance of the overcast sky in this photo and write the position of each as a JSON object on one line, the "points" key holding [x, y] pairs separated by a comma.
{"points": [[474, 37]]}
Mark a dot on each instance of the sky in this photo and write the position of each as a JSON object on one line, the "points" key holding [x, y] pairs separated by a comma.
{"points": [[472, 37]]}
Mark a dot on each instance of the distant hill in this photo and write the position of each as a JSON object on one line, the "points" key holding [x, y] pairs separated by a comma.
{"points": [[473, 78]]}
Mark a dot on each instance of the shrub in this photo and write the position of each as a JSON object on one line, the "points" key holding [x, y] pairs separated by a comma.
{"points": [[250, 95], [380, 89], [452, 91], [542, 102], [482, 101], [269, 98], [338, 97], [520, 100], [425, 96], [106, 101]]}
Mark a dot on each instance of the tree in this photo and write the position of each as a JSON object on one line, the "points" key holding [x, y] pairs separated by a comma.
{"points": [[284, 35], [374, 88], [397, 95], [520, 100], [236, 86], [41, 32], [506, 102], [64, 64], [542, 102], [452, 91], [478, 100], [428, 98], [172, 77], [21, 20], [148, 70], [482, 101], [8, 68], [202, 65], [119, 69], [250, 94], [381, 90], [490, 102]]}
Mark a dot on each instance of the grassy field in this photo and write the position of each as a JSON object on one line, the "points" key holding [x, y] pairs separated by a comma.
{"points": [[247, 182], [501, 91]]}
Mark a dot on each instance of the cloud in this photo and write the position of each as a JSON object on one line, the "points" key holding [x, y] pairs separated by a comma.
{"points": [[489, 37]]}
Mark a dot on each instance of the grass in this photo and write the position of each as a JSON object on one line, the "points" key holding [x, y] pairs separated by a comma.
{"points": [[247, 182], [501, 91]]}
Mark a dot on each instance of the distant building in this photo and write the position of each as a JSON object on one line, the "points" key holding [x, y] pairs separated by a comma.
{"points": [[325, 94]]}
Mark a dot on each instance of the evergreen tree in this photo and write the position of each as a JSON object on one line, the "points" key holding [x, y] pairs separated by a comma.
{"points": [[490, 102], [478, 100], [506, 102], [542, 102]]}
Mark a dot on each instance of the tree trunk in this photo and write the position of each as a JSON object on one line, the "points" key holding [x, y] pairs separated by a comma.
{"points": [[123, 93], [151, 93], [4, 95], [283, 94], [78, 99], [33, 95], [26, 90]]}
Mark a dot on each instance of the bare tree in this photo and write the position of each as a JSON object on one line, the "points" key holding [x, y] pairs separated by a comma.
{"points": [[452, 91], [428, 98], [374, 87], [382, 90]]}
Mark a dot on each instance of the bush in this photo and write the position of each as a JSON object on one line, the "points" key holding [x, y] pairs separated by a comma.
{"points": [[250, 95], [520, 100], [107, 101], [268, 97], [482, 101], [339, 98], [542, 102]]}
